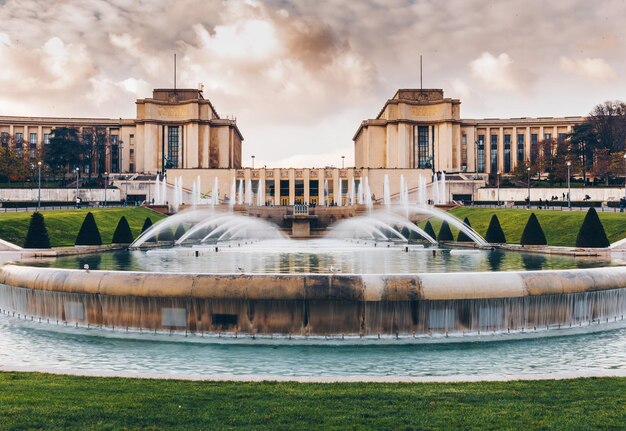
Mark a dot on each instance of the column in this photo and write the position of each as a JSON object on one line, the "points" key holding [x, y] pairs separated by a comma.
{"points": [[292, 187], [277, 187], [306, 179], [487, 149], [527, 145], [39, 141]]}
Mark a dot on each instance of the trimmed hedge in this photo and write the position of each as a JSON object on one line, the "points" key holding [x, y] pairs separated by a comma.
{"points": [[166, 235], [89, 233], [591, 233], [445, 234], [495, 234], [533, 233], [37, 236], [428, 228], [462, 237], [122, 234]]}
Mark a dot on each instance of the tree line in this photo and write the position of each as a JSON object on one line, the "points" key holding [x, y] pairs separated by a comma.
{"points": [[68, 148], [595, 149]]}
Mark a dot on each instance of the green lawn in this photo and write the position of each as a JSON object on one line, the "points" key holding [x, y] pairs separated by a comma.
{"points": [[560, 227], [63, 225], [44, 401]]}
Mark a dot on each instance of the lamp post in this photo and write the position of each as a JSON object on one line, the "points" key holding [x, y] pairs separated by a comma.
{"points": [[39, 186], [252, 162], [498, 184], [106, 183], [569, 199], [528, 171], [343, 159], [77, 172]]}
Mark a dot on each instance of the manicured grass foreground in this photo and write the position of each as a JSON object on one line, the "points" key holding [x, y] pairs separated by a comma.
{"points": [[43, 401], [63, 225], [560, 227]]}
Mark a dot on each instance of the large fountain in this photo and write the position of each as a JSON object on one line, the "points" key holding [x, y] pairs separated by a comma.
{"points": [[231, 275]]}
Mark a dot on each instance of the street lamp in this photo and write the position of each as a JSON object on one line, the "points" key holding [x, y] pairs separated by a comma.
{"points": [[252, 162], [569, 199], [39, 186], [77, 172], [528, 171], [343, 159], [498, 184], [106, 183]]}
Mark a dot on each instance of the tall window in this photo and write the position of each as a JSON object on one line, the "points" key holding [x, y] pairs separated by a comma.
{"points": [[493, 161], [520, 148], [507, 153], [131, 161], [562, 136], [480, 153], [420, 138], [172, 146], [534, 149], [5, 139], [115, 154], [19, 142], [46, 138], [33, 145], [547, 136], [270, 191], [284, 192]]}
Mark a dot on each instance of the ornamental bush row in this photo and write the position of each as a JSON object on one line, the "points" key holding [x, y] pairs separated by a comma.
{"points": [[590, 235], [89, 234]]}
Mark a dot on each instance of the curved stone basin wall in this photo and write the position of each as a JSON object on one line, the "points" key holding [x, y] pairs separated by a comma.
{"points": [[317, 304]]}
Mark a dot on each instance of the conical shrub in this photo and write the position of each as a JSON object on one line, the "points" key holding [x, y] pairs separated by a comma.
{"points": [[591, 233], [428, 228], [533, 234], [406, 233], [166, 235], [89, 233], [495, 234], [37, 235], [445, 234], [462, 237], [180, 231], [122, 234], [147, 224]]}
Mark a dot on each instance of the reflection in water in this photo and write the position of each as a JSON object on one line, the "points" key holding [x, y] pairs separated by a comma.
{"points": [[123, 260], [29, 344], [533, 262], [317, 256], [495, 259]]}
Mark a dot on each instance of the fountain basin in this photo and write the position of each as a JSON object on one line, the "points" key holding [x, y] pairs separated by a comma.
{"points": [[364, 305]]}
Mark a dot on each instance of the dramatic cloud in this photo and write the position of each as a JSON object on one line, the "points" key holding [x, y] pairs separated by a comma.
{"points": [[594, 68], [301, 75], [500, 73]]}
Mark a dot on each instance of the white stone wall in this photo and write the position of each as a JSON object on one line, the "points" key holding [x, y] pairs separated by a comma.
{"points": [[68, 195], [578, 194]]}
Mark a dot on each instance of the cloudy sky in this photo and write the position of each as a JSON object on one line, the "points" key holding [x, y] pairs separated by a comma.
{"points": [[301, 75]]}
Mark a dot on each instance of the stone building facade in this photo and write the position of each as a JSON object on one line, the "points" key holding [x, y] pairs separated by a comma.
{"points": [[421, 129], [416, 133], [175, 128]]}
